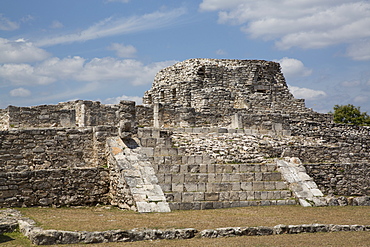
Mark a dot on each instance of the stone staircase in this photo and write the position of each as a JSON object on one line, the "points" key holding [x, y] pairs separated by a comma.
{"points": [[195, 182]]}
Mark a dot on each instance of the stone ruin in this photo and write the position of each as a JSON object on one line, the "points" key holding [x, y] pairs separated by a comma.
{"points": [[210, 134]]}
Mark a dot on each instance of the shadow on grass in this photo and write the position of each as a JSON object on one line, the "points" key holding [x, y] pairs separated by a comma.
{"points": [[4, 238]]}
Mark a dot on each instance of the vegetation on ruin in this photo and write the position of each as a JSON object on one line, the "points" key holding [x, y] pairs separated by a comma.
{"points": [[350, 114]]}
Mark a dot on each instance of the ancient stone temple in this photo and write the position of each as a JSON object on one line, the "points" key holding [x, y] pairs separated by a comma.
{"points": [[214, 85], [212, 133]]}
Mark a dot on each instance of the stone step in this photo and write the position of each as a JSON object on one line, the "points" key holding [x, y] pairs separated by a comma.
{"points": [[167, 167], [224, 186], [171, 178], [227, 196], [227, 204]]}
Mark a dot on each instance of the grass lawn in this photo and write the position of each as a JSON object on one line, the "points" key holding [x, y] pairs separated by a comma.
{"points": [[101, 218]]}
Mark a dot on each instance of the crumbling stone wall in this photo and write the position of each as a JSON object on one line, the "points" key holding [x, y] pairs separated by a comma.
{"points": [[62, 115], [71, 114], [36, 149], [58, 187], [341, 179], [215, 85]]}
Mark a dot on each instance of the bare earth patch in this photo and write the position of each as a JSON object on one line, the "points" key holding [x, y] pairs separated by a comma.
{"points": [[101, 219], [105, 218]]}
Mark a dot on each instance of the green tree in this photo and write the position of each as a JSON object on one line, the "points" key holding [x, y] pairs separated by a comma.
{"points": [[350, 114]]}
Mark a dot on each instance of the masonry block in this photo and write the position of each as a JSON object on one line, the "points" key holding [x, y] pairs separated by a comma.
{"points": [[190, 187], [178, 178], [246, 186], [211, 196]]}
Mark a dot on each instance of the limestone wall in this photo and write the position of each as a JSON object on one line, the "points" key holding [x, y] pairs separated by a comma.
{"points": [[36, 149], [58, 187], [62, 115], [78, 113], [4, 119], [341, 179]]}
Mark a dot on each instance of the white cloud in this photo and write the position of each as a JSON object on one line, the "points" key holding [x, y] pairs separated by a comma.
{"points": [[20, 92], [65, 68], [221, 52], [23, 74], [350, 83], [56, 24], [112, 26], [7, 25], [111, 69], [77, 68], [293, 67], [116, 100], [306, 93], [304, 23], [20, 51], [122, 50], [361, 99], [359, 50]]}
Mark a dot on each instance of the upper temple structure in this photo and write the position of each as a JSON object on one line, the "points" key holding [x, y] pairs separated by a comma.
{"points": [[223, 86], [211, 133]]}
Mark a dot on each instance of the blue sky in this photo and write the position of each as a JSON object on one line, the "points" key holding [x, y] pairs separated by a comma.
{"points": [[54, 51]]}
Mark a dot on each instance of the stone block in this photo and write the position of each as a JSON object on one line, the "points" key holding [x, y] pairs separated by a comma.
{"points": [[186, 206], [264, 195], [280, 185], [203, 178], [211, 196], [316, 192], [258, 185], [257, 195], [175, 168], [258, 176], [228, 169], [225, 177], [190, 187], [167, 178], [198, 159], [211, 187], [198, 196], [224, 196], [211, 168], [187, 197], [174, 206], [178, 178], [193, 168], [177, 187], [148, 151], [184, 168], [235, 186], [235, 177], [265, 203], [201, 187], [166, 187], [203, 168], [269, 185], [246, 186], [164, 169], [242, 195], [177, 196], [257, 168]]}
